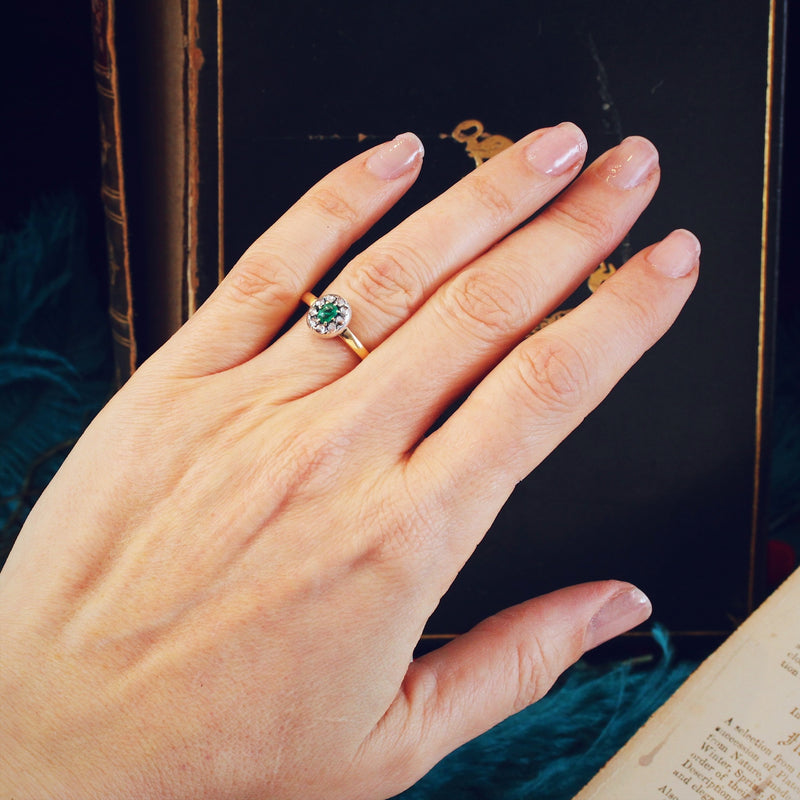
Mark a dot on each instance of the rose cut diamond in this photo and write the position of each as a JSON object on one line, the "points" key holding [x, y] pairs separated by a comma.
{"points": [[329, 315]]}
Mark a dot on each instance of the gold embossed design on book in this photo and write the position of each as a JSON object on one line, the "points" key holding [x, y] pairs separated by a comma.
{"points": [[113, 190], [480, 145]]}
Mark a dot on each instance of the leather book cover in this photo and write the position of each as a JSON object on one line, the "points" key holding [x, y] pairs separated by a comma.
{"points": [[245, 104]]}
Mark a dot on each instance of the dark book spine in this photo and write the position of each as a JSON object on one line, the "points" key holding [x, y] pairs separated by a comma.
{"points": [[113, 190], [203, 125]]}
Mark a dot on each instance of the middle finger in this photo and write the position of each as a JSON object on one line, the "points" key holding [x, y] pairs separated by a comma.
{"points": [[389, 280], [481, 313]]}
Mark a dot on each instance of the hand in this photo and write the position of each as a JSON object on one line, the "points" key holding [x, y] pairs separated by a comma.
{"points": [[219, 594]]}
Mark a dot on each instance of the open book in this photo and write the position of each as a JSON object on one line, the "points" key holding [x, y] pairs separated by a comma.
{"points": [[732, 731]]}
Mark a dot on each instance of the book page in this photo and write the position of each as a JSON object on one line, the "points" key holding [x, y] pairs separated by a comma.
{"points": [[732, 731]]}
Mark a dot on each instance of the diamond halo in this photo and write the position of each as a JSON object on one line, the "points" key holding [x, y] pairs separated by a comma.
{"points": [[329, 315]]}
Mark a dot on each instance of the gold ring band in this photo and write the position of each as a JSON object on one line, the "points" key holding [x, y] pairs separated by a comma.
{"points": [[329, 316]]}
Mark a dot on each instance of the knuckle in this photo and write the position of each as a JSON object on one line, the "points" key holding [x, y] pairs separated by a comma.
{"points": [[404, 525], [389, 277], [492, 197], [586, 219], [401, 533], [531, 663], [537, 664], [333, 205], [312, 462], [640, 312], [482, 299], [552, 373], [260, 280]]}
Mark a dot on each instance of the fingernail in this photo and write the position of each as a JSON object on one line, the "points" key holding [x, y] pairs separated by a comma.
{"points": [[630, 163], [395, 158], [623, 611], [557, 150], [677, 255]]}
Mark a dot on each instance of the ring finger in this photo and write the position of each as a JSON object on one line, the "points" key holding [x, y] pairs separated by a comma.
{"points": [[388, 281]]}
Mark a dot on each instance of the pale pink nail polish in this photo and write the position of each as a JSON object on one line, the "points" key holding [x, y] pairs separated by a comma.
{"points": [[557, 150], [395, 158], [676, 255], [630, 163], [622, 611]]}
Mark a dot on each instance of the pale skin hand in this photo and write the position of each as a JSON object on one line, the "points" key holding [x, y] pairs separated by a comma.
{"points": [[219, 594]]}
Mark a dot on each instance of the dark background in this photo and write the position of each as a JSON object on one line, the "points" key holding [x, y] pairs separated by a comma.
{"points": [[48, 107], [49, 140]]}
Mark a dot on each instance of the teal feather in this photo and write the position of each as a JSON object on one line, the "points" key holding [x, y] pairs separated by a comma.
{"points": [[784, 486], [55, 368], [550, 750]]}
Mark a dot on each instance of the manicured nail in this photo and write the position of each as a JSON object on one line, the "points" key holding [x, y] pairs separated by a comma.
{"points": [[395, 158], [623, 611], [630, 163], [677, 255], [557, 150]]}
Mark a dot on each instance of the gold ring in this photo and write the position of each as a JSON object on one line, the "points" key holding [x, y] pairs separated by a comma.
{"points": [[329, 316]]}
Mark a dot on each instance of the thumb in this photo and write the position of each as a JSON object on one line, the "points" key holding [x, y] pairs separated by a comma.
{"points": [[504, 664]]}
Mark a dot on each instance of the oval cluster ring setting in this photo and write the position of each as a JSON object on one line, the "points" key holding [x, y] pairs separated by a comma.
{"points": [[329, 315]]}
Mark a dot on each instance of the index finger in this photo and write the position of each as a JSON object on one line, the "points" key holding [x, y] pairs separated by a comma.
{"points": [[263, 289]]}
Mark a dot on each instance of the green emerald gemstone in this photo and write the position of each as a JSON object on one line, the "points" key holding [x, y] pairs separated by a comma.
{"points": [[327, 313]]}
